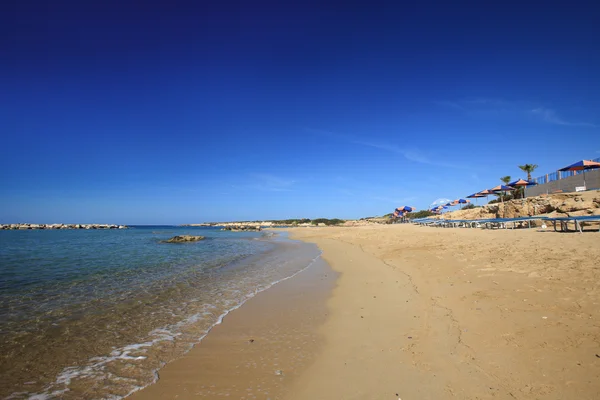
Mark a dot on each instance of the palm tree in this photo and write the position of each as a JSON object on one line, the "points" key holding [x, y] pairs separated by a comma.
{"points": [[529, 168]]}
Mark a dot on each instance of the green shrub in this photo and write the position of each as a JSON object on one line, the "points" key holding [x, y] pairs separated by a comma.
{"points": [[293, 221], [328, 222], [419, 214]]}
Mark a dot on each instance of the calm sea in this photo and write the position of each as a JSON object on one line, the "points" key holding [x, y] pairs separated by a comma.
{"points": [[87, 314]]}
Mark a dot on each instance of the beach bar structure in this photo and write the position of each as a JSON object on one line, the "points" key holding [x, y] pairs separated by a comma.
{"points": [[566, 181]]}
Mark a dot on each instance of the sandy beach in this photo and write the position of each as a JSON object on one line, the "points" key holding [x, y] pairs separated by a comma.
{"points": [[416, 313]]}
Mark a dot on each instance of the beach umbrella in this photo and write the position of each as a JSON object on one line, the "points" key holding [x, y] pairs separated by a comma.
{"points": [[439, 202], [402, 211], [397, 214], [582, 165], [522, 183], [485, 193], [436, 209], [501, 188], [462, 201], [475, 196], [518, 182]]}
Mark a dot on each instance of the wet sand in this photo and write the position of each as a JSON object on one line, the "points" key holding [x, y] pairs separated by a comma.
{"points": [[259, 349], [416, 313]]}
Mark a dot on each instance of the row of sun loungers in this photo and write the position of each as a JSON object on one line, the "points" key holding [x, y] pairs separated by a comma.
{"points": [[559, 223], [563, 222]]}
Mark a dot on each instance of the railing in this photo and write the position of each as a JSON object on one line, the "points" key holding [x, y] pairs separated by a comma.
{"points": [[554, 176]]}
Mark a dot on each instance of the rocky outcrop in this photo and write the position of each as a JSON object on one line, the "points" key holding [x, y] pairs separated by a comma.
{"points": [[61, 226], [184, 239], [562, 204]]}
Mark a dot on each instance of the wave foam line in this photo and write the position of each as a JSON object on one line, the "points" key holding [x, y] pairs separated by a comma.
{"points": [[69, 373]]}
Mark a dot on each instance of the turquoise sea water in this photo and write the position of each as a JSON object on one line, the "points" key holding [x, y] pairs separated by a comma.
{"points": [[96, 313]]}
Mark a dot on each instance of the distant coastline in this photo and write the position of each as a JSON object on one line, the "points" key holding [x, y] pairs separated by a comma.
{"points": [[60, 226], [290, 223]]}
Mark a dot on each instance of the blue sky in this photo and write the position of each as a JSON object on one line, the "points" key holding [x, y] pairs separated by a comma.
{"points": [[192, 111]]}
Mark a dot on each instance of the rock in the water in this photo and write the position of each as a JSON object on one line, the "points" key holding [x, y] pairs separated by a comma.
{"points": [[184, 239]]}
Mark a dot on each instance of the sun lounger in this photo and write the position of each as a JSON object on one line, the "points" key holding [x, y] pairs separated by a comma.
{"points": [[458, 223], [577, 220], [425, 221], [503, 223], [489, 223], [515, 221], [498, 223]]}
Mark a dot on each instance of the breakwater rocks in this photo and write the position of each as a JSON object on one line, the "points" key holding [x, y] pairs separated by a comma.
{"points": [[60, 226]]}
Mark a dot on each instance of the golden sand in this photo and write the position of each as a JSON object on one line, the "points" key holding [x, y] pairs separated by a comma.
{"points": [[419, 313]]}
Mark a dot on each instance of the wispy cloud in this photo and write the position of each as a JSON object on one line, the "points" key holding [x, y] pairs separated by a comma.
{"points": [[267, 183], [550, 116], [493, 106], [413, 155]]}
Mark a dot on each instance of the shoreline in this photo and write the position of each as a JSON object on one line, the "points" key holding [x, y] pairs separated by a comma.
{"points": [[260, 347], [413, 313]]}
